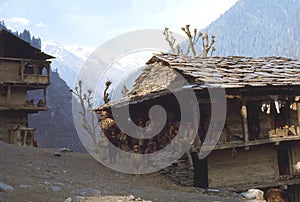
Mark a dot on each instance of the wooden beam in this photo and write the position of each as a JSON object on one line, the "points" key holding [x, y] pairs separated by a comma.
{"points": [[237, 144], [245, 122], [48, 71], [45, 96], [22, 69], [298, 114], [8, 94]]}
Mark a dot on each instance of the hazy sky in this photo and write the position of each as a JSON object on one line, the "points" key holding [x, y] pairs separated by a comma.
{"points": [[92, 22]]}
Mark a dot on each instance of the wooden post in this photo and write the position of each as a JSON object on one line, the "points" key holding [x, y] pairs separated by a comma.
{"points": [[22, 70], [245, 122], [48, 71], [25, 138], [45, 97], [8, 95], [298, 113]]}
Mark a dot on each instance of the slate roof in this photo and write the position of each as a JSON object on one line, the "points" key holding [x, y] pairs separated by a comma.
{"points": [[232, 72]]}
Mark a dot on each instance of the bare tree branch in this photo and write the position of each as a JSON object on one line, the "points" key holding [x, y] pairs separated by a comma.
{"points": [[193, 39]]}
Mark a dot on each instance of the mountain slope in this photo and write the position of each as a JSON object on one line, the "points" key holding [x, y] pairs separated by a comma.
{"points": [[65, 63], [257, 28]]}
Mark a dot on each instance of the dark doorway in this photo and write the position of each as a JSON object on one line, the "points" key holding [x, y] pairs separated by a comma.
{"points": [[253, 108], [283, 161], [200, 171]]}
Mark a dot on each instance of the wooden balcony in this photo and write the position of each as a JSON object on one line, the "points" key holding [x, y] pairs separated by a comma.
{"points": [[27, 71], [35, 71], [35, 79], [25, 106]]}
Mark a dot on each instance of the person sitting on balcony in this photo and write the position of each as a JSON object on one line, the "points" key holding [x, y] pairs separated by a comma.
{"points": [[28, 103], [29, 69], [40, 103], [32, 102]]}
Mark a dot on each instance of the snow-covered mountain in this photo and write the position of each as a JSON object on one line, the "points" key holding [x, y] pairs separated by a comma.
{"points": [[69, 59], [79, 50], [70, 62]]}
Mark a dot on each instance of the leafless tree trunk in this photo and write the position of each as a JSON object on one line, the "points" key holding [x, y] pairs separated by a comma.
{"points": [[86, 102]]}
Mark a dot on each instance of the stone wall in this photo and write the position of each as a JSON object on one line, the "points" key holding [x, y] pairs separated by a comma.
{"points": [[237, 166], [180, 172]]}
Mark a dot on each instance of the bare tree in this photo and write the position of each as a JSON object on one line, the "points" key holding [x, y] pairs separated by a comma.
{"points": [[170, 39], [86, 102], [193, 39], [124, 91]]}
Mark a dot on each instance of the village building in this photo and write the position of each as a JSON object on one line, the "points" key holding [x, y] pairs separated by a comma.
{"points": [[23, 68], [259, 146]]}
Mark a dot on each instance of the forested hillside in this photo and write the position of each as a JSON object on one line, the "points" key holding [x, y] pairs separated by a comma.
{"points": [[258, 28]]}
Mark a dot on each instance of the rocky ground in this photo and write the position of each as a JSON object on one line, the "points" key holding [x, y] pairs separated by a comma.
{"points": [[35, 174]]}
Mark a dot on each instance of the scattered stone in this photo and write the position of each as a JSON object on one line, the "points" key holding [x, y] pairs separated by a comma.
{"points": [[79, 197], [200, 190], [248, 196], [258, 193], [56, 188], [213, 190], [25, 186], [46, 183], [58, 183], [57, 154], [5, 187], [131, 197], [253, 194], [68, 199], [64, 150], [89, 192]]}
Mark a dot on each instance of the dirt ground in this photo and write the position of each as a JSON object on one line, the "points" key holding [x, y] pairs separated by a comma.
{"points": [[37, 174]]}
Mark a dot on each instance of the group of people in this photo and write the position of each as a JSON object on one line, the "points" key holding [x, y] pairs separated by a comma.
{"points": [[40, 103]]}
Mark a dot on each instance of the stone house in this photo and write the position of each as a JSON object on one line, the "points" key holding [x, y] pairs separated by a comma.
{"points": [[260, 141]]}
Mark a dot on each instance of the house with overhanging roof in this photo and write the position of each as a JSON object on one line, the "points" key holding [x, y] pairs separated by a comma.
{"points": [[23, 68], [259, 145]]}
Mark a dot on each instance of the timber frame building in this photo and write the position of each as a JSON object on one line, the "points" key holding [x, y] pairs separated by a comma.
{"points": [[23, 68], [260, 143]]}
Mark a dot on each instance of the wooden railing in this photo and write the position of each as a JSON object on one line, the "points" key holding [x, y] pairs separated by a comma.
{"points": [[23, 107]]}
